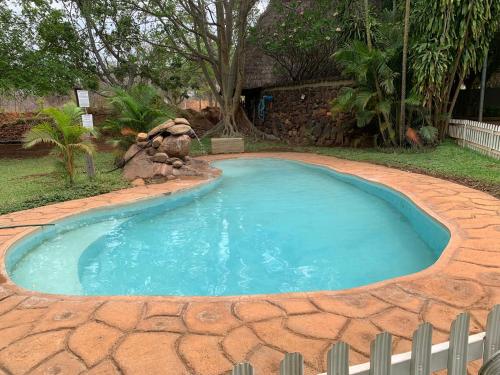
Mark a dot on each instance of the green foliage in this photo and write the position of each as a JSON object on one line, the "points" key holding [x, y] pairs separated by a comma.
{"points": [[369, 68], [450, 39], [429, 134], [138, 110], [65, 133], [40, 54]]}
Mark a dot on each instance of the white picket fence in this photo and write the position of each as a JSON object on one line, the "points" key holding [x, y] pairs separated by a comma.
{"points": [[425, 358], [479, 136]]}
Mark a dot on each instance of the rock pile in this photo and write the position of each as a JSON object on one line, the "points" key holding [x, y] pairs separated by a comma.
{"points": [[163, 154]]}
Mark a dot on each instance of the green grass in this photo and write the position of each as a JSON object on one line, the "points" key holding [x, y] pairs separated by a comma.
{"points": [[28, 183], [447, 160]]}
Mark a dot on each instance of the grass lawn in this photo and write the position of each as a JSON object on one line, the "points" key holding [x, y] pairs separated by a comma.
{"points": [[447, 161], [33, 182]]}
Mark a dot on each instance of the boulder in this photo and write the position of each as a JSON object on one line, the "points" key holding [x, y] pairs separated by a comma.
{"points": [[177, 164], [181, 120], [150, 151], [162, 170], [157, 141], [159, 157], [139, 167], [176, 146], [142, 144], [180, 129], [160, 128], [172, 160], [141, 137]]}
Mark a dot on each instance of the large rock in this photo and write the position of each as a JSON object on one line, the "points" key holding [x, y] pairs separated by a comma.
{"points": [[160, 157], [176, 146], [181, 120], [139, 167], [160, 128], [180, 129]]}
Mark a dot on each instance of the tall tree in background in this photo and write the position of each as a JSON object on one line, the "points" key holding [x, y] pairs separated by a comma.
{"points": [[213, 34], [402, 114], [451, 40]]}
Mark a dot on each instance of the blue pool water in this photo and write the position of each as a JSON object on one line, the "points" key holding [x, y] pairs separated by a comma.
{"points": [[266, 226]]}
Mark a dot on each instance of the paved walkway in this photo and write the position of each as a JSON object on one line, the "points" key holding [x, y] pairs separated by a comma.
{"points": [[49, 334]]}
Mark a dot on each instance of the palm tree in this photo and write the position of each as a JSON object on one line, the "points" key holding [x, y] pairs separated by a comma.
{"points": [[373, 96], [64, 132]]}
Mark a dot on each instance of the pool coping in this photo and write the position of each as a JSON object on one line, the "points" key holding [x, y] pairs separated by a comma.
{"points": [[471, 216]]}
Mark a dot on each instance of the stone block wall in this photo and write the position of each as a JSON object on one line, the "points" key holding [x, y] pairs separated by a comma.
{"points": [[301, 114]]}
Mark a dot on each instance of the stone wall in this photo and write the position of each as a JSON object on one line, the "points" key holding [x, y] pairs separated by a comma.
{"points": [[12, 130], [301, 114]]}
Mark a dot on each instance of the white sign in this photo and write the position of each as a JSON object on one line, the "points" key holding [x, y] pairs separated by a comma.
{"points": [[83, 98], [87, 121]]}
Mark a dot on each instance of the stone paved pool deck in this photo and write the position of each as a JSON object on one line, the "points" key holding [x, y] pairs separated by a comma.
{"points": [[58, 334]]}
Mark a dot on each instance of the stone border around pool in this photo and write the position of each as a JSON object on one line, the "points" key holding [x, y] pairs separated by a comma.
{"points": [[465, 277]]}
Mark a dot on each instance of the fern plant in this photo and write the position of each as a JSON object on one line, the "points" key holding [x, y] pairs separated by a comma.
{"points": [[65, 133], [138, 110]]}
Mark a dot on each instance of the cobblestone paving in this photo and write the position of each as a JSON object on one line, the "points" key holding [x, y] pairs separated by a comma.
{"points": [[55, 334]]}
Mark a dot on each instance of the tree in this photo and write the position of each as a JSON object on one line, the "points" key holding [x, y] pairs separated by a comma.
{"points": [[451, 40], [65, 133], [402, 113], [40, 53], [213, 34]]}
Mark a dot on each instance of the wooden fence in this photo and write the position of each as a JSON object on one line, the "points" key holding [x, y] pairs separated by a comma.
{"points": [[479, 136], [424, 358]]}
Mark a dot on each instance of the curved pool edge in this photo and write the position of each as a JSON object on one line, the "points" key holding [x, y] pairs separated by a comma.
{"points": [[384, 176], [258, 328]]}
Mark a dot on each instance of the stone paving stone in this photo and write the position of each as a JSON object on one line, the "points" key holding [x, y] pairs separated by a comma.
{"points": [[320, 325], [162, 323], [65, 314], [93, 341], [203, 355], [274, 333], [359, 334], [462, 293], [395, 296], [122, 315], [9, 335], [210, 317], [397, 321], [62, 363], [32, 350], [10, 302], [441, 316], [356, 306], [294, 306], [18, 317], [239, 343], [149, 353], [103, 368], [164, 308], [259, 310]]}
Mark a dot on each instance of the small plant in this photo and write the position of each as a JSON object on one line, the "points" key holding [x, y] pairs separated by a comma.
{"points": [[65, 133], [139, 110], [429, 134]]}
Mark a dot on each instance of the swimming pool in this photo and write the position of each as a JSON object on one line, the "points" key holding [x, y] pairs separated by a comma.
{"points": [[265, 226]]}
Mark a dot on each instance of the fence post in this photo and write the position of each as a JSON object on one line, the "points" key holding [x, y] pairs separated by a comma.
{"points": [[292, 364], [421, 349], [380, 353], [459, 340], [242, 369], [338, 359]]}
